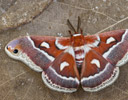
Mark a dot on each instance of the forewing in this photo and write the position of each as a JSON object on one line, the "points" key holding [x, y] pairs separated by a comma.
{"points": [[37, 51], [113, 46], [54, 46]]}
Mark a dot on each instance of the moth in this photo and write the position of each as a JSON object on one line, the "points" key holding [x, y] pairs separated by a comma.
{"points": [[91, 61]]}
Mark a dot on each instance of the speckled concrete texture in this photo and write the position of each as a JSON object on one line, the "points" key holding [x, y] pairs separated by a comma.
{"points": [[18, 82]]}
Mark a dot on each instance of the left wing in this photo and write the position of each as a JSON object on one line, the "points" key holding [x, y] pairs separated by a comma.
{"points": [[53, 56], [37, 51]]}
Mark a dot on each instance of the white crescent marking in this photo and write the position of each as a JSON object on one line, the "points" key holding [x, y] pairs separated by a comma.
{"points": [[63, 65], [96, 62], [110, 40], [45, 44]]}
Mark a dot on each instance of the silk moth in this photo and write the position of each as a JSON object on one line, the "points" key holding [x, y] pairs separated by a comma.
{"points": [[66, 62]]}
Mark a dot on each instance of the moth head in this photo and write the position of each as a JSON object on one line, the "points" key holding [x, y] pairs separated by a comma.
{"points": [[78, 34], [13, 48], [76, 38]]}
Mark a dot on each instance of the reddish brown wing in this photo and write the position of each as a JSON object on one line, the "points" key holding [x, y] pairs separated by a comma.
{"points": [[97, 72], [106, 51], [113, 46], [54, 46], [62, 74]]}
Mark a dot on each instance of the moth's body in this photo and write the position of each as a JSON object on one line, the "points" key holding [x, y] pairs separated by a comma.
{"points": [[78, 42], [58, 58]]}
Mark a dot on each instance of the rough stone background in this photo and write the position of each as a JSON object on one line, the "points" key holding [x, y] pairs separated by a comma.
{"points": [[18, 82]]}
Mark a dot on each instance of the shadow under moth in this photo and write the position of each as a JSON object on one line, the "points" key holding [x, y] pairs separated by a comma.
{"points": [[66, 62]]}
